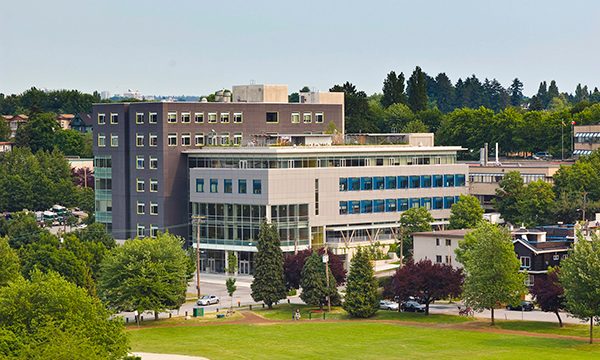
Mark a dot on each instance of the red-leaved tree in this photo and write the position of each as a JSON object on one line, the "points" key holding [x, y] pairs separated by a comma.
{"points": [[427, 281], [293, 264], [549, 293]]}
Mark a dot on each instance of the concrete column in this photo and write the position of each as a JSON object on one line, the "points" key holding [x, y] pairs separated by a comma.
{"points": [[226, 261]]}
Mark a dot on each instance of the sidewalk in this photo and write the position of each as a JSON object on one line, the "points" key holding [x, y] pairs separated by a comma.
{"points": [[240, 280]]}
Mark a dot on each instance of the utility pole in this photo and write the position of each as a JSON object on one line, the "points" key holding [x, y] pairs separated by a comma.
{"points": [[562, 141], [198, 219], [85, 177], [326, 261]]}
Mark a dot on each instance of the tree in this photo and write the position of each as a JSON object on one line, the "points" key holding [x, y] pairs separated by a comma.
{"points": [[417, 90], [427, 281], [314, 283], [580, 278], [70, 142], [516, 92], [549, 293], [38, 132], [444, 93], [509, 192], [23, 230], [10, 267], [393, 90], [4, 130], [466, 213], [145, 274], [361, 290], [293, 264], [49, 307], [231, 269], [268, 285], [488, 283], [415, 126], [536, 203], [411, 221]]}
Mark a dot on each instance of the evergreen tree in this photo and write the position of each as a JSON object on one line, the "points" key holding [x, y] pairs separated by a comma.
{"points": [[268, 285], [542, 94], [393, 90], [314, 283], [535, 103], [459, 94], [444, 94], [552, 91], [417, 90], [516, 92], [361, 290], [581, 93]]}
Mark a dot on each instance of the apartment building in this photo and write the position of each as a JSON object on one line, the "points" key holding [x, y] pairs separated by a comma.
{"points": [[141, 171], [341, 196], [586, 139]]}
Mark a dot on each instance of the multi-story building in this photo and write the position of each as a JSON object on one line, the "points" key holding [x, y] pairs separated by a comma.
{"points": [[141, 173], [340, 196], [586, 139], [14, 122]]}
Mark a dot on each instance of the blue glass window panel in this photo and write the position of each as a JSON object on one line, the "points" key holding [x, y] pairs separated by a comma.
{"points": [[438, 203], [415, 202], [214, 185], [257, 186], [415, 182], [228, 186], [366, 206], [425, 181], [366, 183], [378, 183], [438, 180], [402, 182], [448, 180], [200, 185], [456, 198], [426, 203], [343, 207], [448, 201], [354, 207], [378, 206], [354, 184], [390, 182], [459, 180], [242, 187], [390, 205], [402, 204], [343, 184]]}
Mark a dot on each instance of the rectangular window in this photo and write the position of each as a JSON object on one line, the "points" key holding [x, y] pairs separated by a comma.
{"points": [[402, 204], [140, 231], [366, 183], [237, 139], [114, 118], [172, 117], [438, 180], [114, 140], [212, 117], [426, 203], [199, 117], [153, 185], [343, 207], [152, 118], [354, 207], [242, 187], [319, 118], [414, 182], [448, 259], [448, 201], [414, 202], [101, 140], [295, 118], [343, 184], [378, 206], [402, 182], [214, 185], [153, 208], [448, 242], [354, 184], [366, 206], [139, 140], [459, 180], [199, 185], [141, 208], [437, 242], [390, 182], [101, 119], [139, 118], [272, 117], [172, 139], [225, 139], [448, 180], [238, 118], [390, 205], [186, 118], [438, 203], [257, 186], [227, 186], [525, 262], [140, 185], [438, 259], [225, 118], [378, 183], [153, 163], [139, 162], [307, 118], [199, 139], [153, 230], [425, 181], [186, 139], [153, 140]]}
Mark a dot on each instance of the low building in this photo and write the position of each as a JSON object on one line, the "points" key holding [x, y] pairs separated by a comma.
{"points": [[64, 120], [438, 246], [14, 122], [6, 146], [586, 139], [82, 122]]}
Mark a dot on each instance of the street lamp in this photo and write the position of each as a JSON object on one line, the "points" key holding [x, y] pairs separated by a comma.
{"points": [[326, 261], [198, 219]]}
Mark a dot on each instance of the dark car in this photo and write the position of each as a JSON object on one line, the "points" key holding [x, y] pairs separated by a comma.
{"points": [[413, 306], [522, 306]]}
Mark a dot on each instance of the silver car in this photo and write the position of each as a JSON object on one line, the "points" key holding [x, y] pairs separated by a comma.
{"points": [[208, 300], [388, 305]]}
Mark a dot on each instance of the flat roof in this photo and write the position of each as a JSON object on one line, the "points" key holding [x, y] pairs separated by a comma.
{"points": [[328, 149], [235, 103], [447, 233]]}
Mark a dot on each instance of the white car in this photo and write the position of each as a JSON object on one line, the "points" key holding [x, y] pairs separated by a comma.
{"points": [[388, 305], [208, 300]]}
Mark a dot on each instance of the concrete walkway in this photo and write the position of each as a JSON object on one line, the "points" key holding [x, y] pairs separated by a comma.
{"points": [[150, 356]]}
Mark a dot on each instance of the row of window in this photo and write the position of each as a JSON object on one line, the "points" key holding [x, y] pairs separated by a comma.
{"points": [[242, 186], [214, 117], [400, 182], [140, 162], [496, 178], [394, 205], [141, 208], [172, 139], [141, 230], [140, 185]]}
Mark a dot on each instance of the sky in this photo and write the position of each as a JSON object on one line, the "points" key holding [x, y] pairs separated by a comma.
{"points": [[182, 47]]}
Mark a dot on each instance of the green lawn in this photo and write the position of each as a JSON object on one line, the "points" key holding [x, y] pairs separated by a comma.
{"points": [[545, 327], [350, 340]]}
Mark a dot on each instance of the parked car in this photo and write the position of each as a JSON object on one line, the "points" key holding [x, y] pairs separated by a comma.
{"points": [[388, 305], [413, 306], [208, 300], [542, 155], [522, 306]]}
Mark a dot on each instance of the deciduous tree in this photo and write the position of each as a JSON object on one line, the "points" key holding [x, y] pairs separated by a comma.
{"points": [[268, 285], [294, 263], [413, 220], [466, 213], [10, 267], [549, 293]]}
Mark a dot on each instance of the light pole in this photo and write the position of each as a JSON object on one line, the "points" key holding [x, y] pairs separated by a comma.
{"points": [[326, 261], [198, 219]]}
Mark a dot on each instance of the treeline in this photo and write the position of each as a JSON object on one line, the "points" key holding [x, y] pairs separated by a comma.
{"points": [[57, 101]]}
